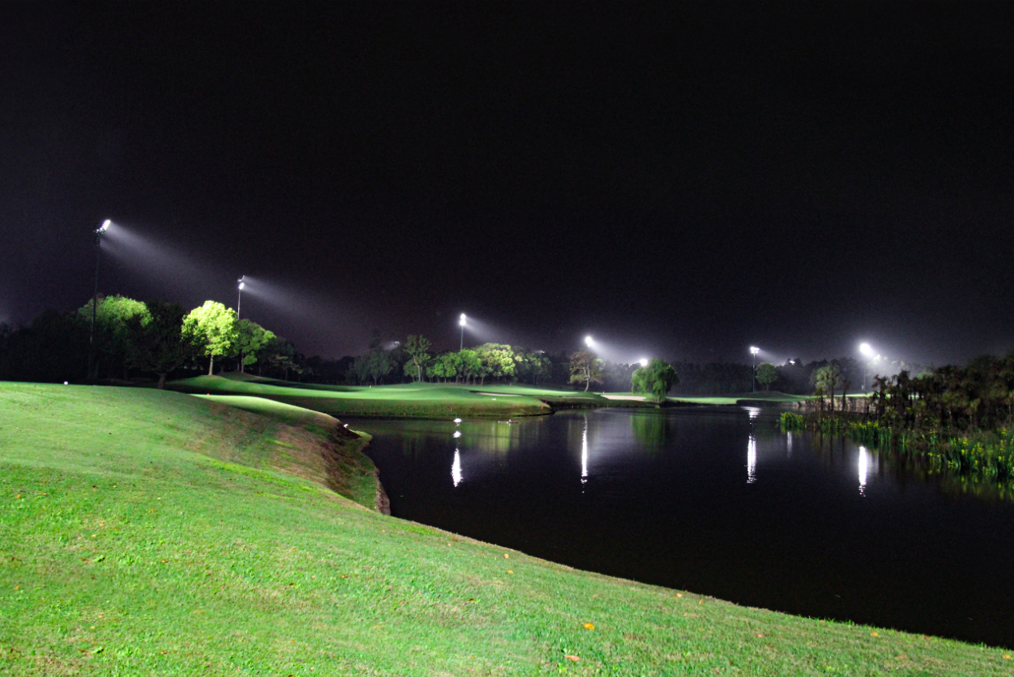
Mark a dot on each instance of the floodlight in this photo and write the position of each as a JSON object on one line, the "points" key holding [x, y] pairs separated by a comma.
{"points": [[865, 349], [588, 341], [104, 227], [239, 294], [643, 361], [753, 368], [461, 321]]}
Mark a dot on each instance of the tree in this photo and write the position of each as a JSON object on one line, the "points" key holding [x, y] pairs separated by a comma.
{"points": [[585, 368], [471, 365], [374, 365], [416, 347], [250, 338], [445, 366], [213, 326], [112, 313], [156, 342], [827, 379], [655, 380], [498, 360], [766, 374]]}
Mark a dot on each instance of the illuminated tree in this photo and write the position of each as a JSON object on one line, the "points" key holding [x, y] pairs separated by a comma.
{"points": [[766, 374], [826, 379], [112, 314], [498, 361], [212, 326], [250, 338], [585, 368], [655, 380], [471, 365], [417, 348], [445, 366]]}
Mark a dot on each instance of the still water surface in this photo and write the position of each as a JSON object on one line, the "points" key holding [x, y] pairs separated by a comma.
{"points": [[717, 501]]}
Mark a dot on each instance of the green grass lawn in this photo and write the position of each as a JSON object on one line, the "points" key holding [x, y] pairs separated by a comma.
{"points": [[418, 400], [744, 398], [154, 533]]}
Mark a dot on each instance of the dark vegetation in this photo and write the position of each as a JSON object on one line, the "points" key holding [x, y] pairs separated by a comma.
{"points": [[138, 342], [953, 418]]}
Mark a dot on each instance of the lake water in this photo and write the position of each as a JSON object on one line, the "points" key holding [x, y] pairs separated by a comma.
{"points": [[717, 501]]}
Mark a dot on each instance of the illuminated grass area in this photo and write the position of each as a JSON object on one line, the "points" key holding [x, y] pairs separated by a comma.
{"points": [[418, 400], [773, 397], [153, 533]]}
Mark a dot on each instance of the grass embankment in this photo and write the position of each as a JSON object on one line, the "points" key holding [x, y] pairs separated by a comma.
{"points": [[413, 400], [149, 533]]}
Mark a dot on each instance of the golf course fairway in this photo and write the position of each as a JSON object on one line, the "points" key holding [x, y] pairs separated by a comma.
{"points": [[145, 532]]}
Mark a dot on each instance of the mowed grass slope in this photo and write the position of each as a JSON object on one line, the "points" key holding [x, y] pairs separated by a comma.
{"points": [[415, 400], [148, 533]]}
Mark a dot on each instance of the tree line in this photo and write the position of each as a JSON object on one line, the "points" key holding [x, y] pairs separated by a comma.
{"points": [[121, 337]]}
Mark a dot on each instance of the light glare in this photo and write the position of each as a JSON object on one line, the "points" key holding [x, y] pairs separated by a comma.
{"points": [[865, 349], [461, 321], [754, 350], [588, 341], [643, 361]]}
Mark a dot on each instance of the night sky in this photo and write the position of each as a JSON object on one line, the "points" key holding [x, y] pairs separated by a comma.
{"points": [[682, 182]]}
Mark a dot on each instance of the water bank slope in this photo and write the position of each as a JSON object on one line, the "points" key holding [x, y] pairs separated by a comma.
{"points": [[414, 400], [154, 533]]}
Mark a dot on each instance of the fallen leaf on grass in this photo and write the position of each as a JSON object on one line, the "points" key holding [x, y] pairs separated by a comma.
{"points": [[874, 634], [572, 658], [760, 634], [589, 626]]}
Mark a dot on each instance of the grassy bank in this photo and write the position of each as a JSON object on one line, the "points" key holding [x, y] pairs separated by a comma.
{"points": [[744, 399], [144, 532], [414, 400]]}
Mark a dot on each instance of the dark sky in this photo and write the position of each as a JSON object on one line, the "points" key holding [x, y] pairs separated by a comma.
{"points": [[681, 182]]}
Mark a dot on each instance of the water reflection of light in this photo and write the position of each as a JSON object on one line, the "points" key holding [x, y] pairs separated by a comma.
{"points": [[584, 452], [788, 448], [457, 434], [864, 464], [754, 412], [751, 460], [456, 468]]}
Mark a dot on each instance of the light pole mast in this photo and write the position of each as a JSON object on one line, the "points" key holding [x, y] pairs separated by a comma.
{"points": [[867, 352], [239, 297], [461, 323], [753, 368], [95, 295]]}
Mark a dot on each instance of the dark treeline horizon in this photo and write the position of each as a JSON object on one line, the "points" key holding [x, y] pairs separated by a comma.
{"points": [[54, 348]]}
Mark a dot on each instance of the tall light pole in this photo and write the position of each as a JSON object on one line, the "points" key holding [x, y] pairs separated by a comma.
{"points": [[867, 352], [753, 368], [461, 323], [95, 295], [239, 297]]}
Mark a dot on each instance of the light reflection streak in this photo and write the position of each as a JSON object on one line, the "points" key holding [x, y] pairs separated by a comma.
{"points": [[751, 460], [751, 447], [864, 464], [456, 475], [788, 450], [584, 452]]}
